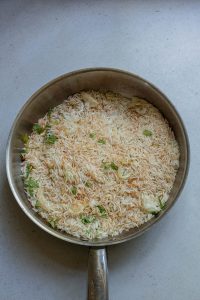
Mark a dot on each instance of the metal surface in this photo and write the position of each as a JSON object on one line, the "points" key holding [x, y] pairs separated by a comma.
{"points": [[54, 93], [97, 274]]}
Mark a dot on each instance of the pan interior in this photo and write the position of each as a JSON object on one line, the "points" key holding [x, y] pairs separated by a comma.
{"points": [[52, 94]]}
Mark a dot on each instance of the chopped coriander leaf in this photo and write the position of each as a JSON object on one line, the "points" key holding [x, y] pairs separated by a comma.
{"points": [[48, 126], [37, 204], [88, 231], [114, 166], [92, 135], [30, 185], [37, 128], [53, 222], [24, 138], [88, 184], [24, 150], [74, 190], [49, 112], [105, 165], [23, 154], [147, 132], [160, 202], [29, 168], [102, 141], [108, 166], [102, 210], [50, 138], [87, 219], [55, 122], [162, 205], [155, 213]]}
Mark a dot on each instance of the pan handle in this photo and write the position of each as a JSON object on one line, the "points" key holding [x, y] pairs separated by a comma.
{"points": [[97, 274]]}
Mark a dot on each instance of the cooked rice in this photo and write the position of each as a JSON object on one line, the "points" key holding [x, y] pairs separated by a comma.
{"points": [[109, 165]]}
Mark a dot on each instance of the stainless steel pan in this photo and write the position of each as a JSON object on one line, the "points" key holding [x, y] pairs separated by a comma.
{"points": [[52, 94]]}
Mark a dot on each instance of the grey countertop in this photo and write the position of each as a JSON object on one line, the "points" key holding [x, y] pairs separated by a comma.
{"points": [[158, 40]]}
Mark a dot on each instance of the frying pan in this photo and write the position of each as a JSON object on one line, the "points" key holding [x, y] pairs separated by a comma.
{"points": [[52, 94]]}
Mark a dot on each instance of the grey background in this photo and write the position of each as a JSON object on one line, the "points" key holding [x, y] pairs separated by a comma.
{"points": [[159, 40]]}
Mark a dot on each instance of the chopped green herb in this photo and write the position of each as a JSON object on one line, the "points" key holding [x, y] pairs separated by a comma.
{"points": [[37, 128], [88, 184], [49, 112], [162, 205], [29, 168], [102, 210], [37, 204], [108, 166], [24, 138], [147, 132], [155, 213], [92, 135], [88, 231], [53, 222], [24, 150], [30, 185], [48, 126], [87, 219], [74, 190], [114, 166], [50, 138], [102, 141], [105, 165], [23, 154], [55, 122]]}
